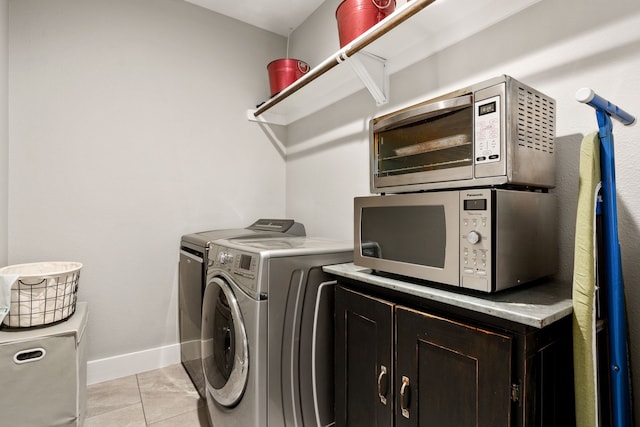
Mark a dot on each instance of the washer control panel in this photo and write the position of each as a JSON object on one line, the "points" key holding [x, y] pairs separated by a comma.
{"points": [[241, 266]]}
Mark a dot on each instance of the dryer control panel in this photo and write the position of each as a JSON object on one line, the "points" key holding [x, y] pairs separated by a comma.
{"points": [[242, 267]]}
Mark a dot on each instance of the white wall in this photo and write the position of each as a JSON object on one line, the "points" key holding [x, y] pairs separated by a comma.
{"points": [[128, 129], [556, 46], [4, 133]]}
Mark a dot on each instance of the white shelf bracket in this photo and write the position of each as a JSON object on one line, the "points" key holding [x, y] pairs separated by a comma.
{"points": [[372, 71], [268, 118]]}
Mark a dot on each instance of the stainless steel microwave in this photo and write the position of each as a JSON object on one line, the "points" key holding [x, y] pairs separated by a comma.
{"points": [[497, 132], [484, 239]]}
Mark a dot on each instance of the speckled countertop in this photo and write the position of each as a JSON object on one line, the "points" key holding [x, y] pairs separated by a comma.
{"points": [[536, 305]]}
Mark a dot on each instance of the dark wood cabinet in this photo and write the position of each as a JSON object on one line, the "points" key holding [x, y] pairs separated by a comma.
{"points": [[454, 374], [365, 346], [403, 362]]}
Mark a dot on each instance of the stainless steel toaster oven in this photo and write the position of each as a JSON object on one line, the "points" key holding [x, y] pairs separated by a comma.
{"points": [[497, 132]]}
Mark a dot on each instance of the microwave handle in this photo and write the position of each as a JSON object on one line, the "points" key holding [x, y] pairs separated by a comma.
{"points": [[427, 111]]}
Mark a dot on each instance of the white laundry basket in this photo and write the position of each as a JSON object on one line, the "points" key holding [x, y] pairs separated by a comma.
{"points": [[45, 293]]}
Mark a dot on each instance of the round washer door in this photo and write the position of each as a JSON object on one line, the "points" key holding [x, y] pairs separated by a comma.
{"points": [[225, 353]]}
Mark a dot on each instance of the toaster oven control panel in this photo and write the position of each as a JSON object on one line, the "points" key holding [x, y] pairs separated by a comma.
{"points": [[487, 130], [475, 239]]}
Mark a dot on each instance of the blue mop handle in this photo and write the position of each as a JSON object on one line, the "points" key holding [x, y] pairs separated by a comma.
{"points": [[619, 372], [588, 96], [619, 375]]}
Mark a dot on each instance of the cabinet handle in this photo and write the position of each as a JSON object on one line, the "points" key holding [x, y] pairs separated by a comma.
{"points": [[383, 384], [405, 397]]}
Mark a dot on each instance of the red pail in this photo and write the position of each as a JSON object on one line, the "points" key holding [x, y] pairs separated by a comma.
{"points": [[283, 72], [357, 16]]}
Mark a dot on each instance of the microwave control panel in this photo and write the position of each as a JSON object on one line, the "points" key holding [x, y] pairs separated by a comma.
{"points": [[487, 131], [475, 239]]}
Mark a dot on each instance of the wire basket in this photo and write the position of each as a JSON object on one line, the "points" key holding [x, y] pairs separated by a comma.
{"points": [[45, 293]]}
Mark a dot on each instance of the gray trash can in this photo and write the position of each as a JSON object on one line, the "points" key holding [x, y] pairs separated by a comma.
{"points": [[43, 374]]}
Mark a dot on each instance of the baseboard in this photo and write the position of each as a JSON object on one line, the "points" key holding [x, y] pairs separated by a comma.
{"points": [[132, 363]]}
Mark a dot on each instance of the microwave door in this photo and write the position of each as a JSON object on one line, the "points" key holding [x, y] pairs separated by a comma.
{"points": [[413, 235]]}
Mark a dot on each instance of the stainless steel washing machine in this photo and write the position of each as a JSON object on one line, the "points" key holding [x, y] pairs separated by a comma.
{"points": [[194, 250], [267, 331]]}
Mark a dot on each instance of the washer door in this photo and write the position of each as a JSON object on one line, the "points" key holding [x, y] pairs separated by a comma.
{"points": [[225, 353]]}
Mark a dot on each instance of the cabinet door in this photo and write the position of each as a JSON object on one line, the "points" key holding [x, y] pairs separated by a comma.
{"points": [[449, 374], [364, 355]]}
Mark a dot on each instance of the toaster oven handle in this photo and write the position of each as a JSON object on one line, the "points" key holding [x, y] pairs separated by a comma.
{"points": [[423, 112]]}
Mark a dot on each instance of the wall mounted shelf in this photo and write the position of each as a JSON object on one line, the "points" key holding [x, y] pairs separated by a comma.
{"points": [[405, 37]]}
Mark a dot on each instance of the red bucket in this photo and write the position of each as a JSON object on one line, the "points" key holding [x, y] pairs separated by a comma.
{"points": [[357, 16], [283, 72]]}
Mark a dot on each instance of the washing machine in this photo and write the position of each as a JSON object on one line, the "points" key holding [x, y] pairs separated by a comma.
{"points": [[267, 331], [194, 249]]}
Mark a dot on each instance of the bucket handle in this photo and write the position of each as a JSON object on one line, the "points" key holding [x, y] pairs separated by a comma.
{"points": [[380, 6], [303, 67]]}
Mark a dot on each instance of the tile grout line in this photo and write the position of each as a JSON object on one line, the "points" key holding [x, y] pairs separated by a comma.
{"points": [[144, 414]]}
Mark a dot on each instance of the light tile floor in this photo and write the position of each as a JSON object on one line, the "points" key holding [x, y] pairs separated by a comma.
{"points": [[161, 398]]}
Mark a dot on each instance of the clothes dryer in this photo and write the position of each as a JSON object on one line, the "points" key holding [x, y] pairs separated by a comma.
{"points": [[267, 331], [194, 249]]}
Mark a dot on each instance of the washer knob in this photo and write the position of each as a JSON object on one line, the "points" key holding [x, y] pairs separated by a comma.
{"points": [[473, 237], [225, 258]]}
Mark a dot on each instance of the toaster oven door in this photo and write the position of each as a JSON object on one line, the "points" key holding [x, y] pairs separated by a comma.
{"points": [[414, 235], [427, 144]]}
